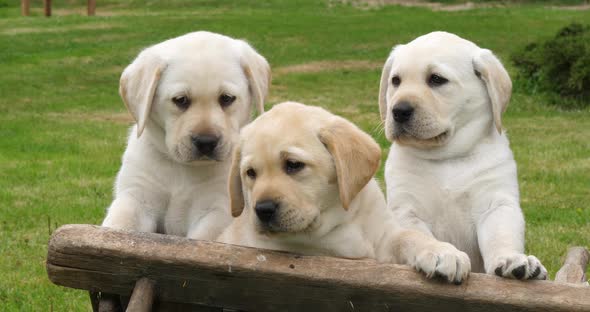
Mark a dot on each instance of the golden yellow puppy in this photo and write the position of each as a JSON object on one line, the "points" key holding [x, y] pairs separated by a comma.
{"points": [[302, 181]]}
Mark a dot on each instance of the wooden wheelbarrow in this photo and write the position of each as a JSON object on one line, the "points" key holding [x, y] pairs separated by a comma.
{"points": [[167, 273]]}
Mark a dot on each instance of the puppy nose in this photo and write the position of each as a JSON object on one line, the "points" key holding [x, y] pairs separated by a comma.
{"points": [[265, 210], [205, 143], [402, 111]]}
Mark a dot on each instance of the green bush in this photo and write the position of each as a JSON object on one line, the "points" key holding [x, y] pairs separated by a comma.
{"points": [[559, 65]]}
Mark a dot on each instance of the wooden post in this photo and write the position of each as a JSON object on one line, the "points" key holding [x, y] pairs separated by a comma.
{"points": [[91, 7], [47, 7], [25, 7], [574, 266], [204, 273]]}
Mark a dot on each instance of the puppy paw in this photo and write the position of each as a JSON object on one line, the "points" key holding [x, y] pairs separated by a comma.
{"points": [[518, 266], [444, 262]]}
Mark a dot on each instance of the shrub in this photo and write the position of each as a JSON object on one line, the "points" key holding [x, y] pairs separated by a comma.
{"points": [[559, 65]]}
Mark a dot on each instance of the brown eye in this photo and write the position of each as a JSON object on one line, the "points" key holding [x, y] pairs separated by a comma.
{"points": [[226, 99], [396, 81], [183, 102], [435, 80], [292, 166], [251, 173]]}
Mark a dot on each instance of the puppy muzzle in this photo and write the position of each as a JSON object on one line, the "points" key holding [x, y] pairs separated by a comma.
{"points": [[412, 124], [266, 211], [205, 146]]}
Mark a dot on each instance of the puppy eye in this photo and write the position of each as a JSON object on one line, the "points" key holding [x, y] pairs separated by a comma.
{"points": [[292, 166], [251, 173], [396, 81], [435, 80], [183, 102], [226, 99]]}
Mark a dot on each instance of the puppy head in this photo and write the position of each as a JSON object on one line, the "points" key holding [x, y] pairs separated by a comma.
{"points": [[294, 163], [194, 93], [440, 88]]}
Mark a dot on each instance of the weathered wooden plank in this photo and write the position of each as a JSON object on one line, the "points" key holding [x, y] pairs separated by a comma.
{"points": [[142, 297], [574, 266], [219, 275]]}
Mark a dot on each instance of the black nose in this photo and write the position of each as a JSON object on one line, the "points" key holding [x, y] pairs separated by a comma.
{"points": [[402, 111], [205, 143], [265, 210]]}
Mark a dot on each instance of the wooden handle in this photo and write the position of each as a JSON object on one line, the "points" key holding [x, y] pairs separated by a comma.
{"points": [[574, 267]]}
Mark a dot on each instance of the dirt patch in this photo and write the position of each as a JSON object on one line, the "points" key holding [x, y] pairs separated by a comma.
{"points": [[435, 6], [581, 7], [31, 30], [119, 118], [323, 66]]}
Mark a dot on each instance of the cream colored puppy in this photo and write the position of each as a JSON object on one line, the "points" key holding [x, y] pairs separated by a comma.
{"points": [[302, 181], [189, 96], [450, 171]]}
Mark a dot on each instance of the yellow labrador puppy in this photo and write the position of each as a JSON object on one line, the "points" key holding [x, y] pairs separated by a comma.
{"points": [[450, 171], [189, 97], [302, 181]]}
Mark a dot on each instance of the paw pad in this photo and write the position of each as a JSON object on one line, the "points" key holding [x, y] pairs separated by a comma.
{"points": [[519, 272], [498, 271], [536, 273]]}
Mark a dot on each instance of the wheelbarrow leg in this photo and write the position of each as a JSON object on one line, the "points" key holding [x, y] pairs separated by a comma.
{"points": [[143, 295]]}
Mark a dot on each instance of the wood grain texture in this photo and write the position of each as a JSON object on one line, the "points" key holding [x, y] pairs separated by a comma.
{"points": [[218, 275], [574, 267]]}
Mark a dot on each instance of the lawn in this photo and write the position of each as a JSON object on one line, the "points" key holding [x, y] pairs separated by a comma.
{"points": [[63, 126]]}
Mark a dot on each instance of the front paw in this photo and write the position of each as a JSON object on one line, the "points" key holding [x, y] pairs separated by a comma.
{"points": [[445, 262], [517, 266]]}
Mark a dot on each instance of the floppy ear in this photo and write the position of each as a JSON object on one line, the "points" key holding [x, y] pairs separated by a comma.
{"points": [[236, 195], [257, 71], [356, 157], [499, 86], [384, 85], [138, 85]]}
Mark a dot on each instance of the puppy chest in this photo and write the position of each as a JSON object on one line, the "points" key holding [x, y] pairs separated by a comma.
{"points": [[189, 205]]}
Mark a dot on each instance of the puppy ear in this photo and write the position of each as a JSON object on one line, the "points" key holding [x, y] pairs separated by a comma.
{"points": [[236, 195], [138, 85], [257, 70], [356, 157], [385, 84], [499, 86]]}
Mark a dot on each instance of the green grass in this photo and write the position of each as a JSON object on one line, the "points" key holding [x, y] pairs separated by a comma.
{"points": [[62, 132]]}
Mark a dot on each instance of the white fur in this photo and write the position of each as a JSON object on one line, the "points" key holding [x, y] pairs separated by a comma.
{"points": [[316, 221], [463, 188], [164, 185]]}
